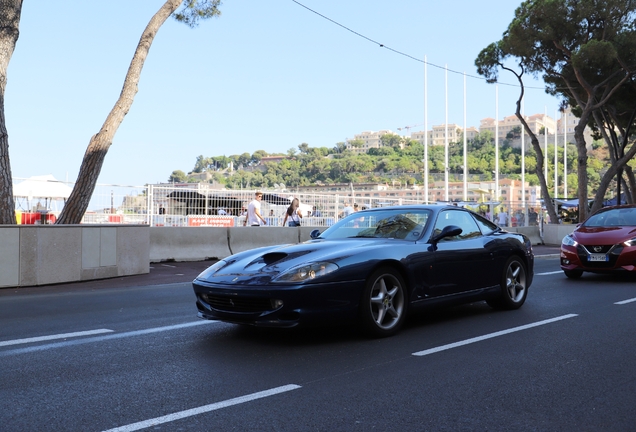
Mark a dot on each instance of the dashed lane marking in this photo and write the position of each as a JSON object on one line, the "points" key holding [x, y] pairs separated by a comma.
{"points": [[491, 335], [203, 409], [54, 337]]}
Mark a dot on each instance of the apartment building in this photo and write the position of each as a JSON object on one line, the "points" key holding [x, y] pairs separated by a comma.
{"points": [[510, 192], [437, 135], [370, 139], [536, 123], [565, 127]]}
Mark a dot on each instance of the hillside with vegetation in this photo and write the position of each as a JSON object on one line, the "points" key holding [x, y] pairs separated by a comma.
{"points": [[398, 162]]}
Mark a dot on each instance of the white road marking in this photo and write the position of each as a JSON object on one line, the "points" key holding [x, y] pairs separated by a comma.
{"points": [[491, 335], [102, 338], [625, 301], [53, 337], [548, 273], [204, 409]]}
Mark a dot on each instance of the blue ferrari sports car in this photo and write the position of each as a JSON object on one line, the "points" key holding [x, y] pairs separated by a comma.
{"points": [[372, 268]]}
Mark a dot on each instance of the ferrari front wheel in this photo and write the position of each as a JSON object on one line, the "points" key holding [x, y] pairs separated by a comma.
{"points": [[514, 286], [383, 305]]}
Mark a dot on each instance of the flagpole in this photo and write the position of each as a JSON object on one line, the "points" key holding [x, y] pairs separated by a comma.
{"points": [[556, 160], [545, 144], [465, 147], [496, 142], [425, 130], [446, 133], [565, 159], [523, 160]]}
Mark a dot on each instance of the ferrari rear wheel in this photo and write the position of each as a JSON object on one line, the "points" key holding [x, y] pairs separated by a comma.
{"points": [[383, 305], [514, 286], [573, 274]]}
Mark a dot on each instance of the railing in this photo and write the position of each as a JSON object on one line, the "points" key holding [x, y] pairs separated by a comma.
{"points": [[200, 205]]}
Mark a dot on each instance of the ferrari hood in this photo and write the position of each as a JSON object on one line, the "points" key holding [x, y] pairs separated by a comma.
{"points": [[260, 266]]}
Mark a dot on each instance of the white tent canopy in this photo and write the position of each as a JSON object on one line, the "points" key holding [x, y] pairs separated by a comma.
{"points": [[45, 186]]}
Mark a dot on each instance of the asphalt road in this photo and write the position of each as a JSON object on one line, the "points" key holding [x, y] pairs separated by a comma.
{"points": [[129, 354]]}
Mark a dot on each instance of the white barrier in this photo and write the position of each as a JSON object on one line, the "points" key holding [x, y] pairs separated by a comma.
{"points": [[246, 238], [553, 234], [47, 254], [188, 243], [532, 232]]}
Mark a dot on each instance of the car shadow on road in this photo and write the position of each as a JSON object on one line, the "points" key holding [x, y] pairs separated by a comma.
{"points": [[427, 316], [234, 335]]}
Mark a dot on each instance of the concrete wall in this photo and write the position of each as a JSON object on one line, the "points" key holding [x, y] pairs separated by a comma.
{"points": [[194, 243], [33, 255], [200, 243], [532, 233], [553, 234]]}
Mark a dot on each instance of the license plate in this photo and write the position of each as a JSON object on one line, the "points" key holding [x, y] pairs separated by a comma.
{"points": [[598, 257]]}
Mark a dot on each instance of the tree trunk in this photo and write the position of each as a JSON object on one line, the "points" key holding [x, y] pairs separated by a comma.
{"points": [[78, 201], [629, 173], [10, 11], [618, 158], [545, 192], [581, 149]]}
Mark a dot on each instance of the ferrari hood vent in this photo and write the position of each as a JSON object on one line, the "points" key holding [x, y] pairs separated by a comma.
{"points": [[273, 257]]}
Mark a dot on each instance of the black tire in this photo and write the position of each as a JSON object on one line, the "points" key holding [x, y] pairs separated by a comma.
{"points": [[514, 286], [573, 274], [384, 303]]}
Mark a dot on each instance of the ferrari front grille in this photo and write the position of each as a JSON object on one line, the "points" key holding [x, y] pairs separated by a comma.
{"points": [[234, 304]]}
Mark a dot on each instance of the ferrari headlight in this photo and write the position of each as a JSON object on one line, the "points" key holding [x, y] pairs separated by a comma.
{"points": [[306, 272], [631, 242], [212, 269], [569, 241]]}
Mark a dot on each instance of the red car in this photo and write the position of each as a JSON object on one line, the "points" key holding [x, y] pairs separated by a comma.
{"points": [[604, 243]]}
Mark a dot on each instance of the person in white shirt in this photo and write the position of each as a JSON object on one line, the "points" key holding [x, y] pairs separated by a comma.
{"points": [[346, 211], [502, 218], [254, 217]]}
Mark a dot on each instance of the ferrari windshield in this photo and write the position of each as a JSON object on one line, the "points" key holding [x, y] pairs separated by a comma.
{"points": [[390, 223], [613, 217]]}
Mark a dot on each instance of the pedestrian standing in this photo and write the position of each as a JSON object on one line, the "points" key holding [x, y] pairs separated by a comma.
{"points": [[502, 218], [254, 217], [293, 214]]}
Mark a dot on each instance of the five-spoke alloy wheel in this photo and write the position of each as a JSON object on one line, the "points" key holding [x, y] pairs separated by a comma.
{"points": [[383, 305], [514, 286]]}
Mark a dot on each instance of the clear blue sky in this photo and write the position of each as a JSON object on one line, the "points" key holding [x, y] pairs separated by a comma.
{"points": [[265, 75]]}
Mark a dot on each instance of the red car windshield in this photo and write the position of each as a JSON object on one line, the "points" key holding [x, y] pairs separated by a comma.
{"points": [[613, 217]]}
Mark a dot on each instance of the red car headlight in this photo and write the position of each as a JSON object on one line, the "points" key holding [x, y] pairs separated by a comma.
{"points": [[568, 240], [631, 242]]}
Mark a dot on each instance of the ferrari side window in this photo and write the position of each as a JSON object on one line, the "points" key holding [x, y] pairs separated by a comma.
{"points": [[458, 218], [484, 224]]}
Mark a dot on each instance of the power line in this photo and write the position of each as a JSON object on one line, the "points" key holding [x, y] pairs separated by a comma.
{"points": [[381, 45]]}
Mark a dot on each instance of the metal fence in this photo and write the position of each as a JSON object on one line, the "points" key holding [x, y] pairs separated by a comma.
{"points": [[200, 205]]}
